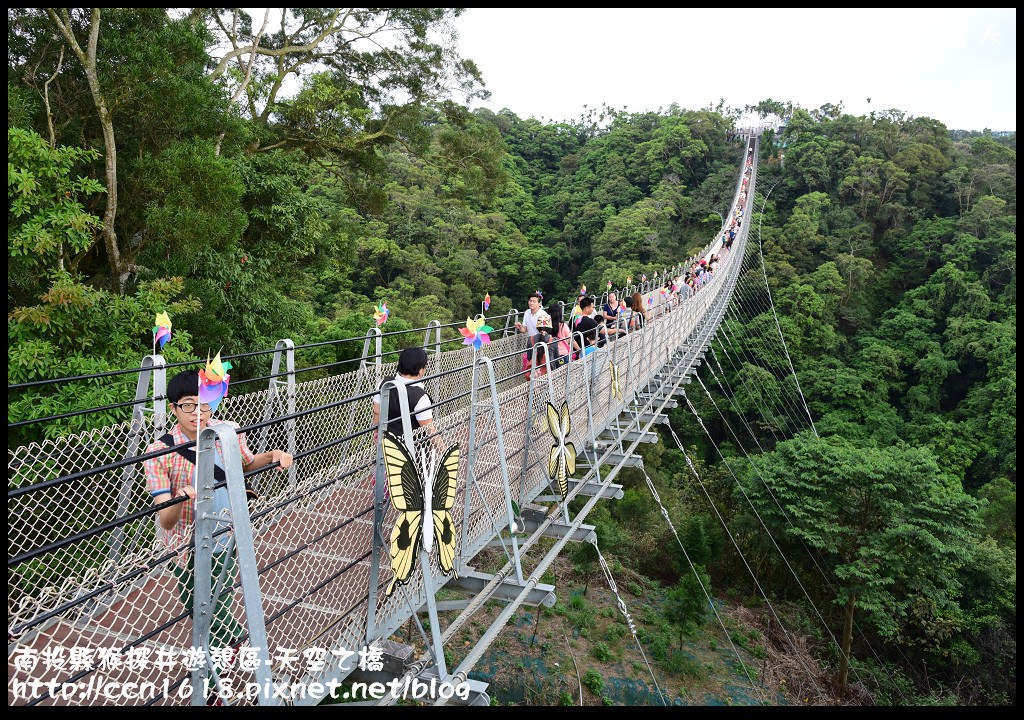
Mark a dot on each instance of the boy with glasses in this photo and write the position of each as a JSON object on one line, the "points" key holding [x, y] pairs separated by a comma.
{"points": [[173, 475]]}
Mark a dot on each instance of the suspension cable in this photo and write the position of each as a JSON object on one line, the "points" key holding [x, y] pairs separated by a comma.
{"points": [[693, 569], [625, 612], [743, 558], [760, 251], [764, 525]]}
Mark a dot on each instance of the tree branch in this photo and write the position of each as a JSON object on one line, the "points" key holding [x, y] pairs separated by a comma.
{"points": [[331, 29], [245, 81], [46, 99]]}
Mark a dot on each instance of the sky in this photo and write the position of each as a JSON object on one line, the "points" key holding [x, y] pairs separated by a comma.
{"points": [[956, 66]]}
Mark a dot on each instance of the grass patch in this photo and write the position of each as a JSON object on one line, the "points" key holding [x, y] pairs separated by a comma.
{"points": [[682, 664]]}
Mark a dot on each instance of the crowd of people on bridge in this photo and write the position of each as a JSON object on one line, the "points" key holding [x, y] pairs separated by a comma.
{"points": [[549, 333]]}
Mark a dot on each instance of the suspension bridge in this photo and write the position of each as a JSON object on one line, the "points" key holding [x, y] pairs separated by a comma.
{"points": [[92, 598]]}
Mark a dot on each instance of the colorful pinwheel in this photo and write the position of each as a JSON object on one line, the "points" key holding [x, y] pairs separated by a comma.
{"points": [[487, 302], [609, 284], [643, 277], [629, 279], [162, 329], [576, 315], [540, 293], [381, 313], [213, 382], [475, 333], [583, 290]]}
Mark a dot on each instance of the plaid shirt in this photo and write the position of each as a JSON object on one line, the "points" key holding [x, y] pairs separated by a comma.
{"points": [[168, 474]]}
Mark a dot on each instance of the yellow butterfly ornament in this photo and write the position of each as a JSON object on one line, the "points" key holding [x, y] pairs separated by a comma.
{"points": [[614, 372], [562, 459], [424, 512]]}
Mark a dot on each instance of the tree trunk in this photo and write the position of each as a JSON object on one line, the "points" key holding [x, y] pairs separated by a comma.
{"points": [[88, 59], [117, 268], [844, 659]]}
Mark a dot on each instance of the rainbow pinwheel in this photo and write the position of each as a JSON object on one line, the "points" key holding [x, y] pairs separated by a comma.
{"points": [[162, 329], [643, 277], [475, 333], [576, 315], [213, 382], [487, 301], [381, 313], [609, 284], [540, 293], [629, 279], [650, 300], [664, 291], [583, 290]]}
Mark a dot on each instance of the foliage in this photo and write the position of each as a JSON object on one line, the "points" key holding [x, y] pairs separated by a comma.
{"points": [[687, 602], [79, 330], [47, 224], [593, 681]]}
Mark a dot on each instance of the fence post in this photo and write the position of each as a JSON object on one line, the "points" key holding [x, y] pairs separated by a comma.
{"points": [[153, 368], [204, 608], [285, 348]]}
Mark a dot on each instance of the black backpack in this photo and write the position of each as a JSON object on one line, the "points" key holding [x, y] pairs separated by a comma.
{"points": [[415, 392]]}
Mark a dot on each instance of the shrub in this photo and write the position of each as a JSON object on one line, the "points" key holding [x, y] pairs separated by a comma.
{"points": [[594, 682]]}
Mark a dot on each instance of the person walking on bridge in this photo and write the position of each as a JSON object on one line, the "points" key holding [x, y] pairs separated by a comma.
{"points": [[412, 365]]}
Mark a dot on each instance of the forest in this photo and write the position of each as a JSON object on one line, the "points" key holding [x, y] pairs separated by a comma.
{"points": [[156, 163]]}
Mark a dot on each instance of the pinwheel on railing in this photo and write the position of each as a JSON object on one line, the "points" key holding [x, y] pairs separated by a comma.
{"points": [[213, 382], [475, 332], [161, 330], [381, 313]]}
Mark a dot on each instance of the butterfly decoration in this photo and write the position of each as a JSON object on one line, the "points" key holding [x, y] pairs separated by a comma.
{"points": [[614, 372], [161, 329], [562, 459], [475, 333], [425, 512], [381, 313], [213, 381], [487, 302]]}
